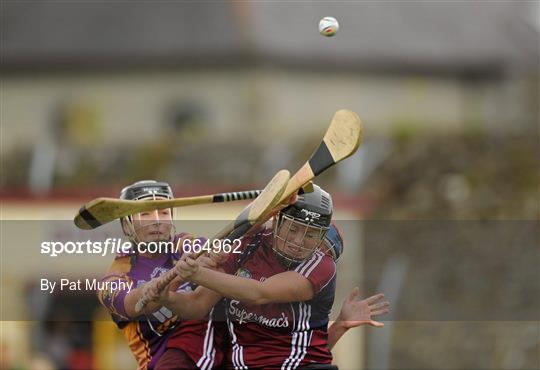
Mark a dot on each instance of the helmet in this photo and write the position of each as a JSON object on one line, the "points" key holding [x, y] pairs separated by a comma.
{"points": [[314, 208], [143, 190], [334, 242], [311, 214], [146, 189]]}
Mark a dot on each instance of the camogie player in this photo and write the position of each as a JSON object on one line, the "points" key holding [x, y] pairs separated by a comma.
{"points": [[279, 291], [147, 333], [353, 313]]}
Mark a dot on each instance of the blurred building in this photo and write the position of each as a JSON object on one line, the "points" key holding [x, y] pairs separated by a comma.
{"points": [[252, 69]]}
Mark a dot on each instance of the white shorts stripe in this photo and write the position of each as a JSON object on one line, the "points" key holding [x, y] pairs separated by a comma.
{"points": [[297, 328], [301, 338], [306, 337], [208, 347], [237, 356]]}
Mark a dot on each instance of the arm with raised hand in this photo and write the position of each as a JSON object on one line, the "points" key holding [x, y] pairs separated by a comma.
{"points": [[355, 313]]}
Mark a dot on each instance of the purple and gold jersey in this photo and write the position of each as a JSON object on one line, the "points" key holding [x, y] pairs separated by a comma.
{"points": [[147, 334]]}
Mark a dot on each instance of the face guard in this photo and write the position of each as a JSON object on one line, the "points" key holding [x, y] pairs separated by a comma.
{"points": [[301, 227], [153, 226], [296, 240], [148, 226]]}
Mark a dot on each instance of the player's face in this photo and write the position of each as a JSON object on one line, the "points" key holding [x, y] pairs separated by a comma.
{"points": [[296, 240], [153, 226]]}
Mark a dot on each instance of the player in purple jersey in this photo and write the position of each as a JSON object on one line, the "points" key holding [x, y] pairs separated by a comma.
{"points": [[279, 301], [147, 333]]}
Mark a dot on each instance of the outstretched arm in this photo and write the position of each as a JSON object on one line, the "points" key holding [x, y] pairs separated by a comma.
{"points": [[287, 286], [355, 313]]}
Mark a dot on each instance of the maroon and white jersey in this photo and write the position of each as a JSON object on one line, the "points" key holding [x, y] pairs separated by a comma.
{"points": [[279, 335], [205, 342]]}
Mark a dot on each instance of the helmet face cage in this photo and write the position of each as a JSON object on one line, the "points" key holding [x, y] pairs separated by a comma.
{"points": [[282, 236], [143, 224], [141, 190], [311, 213]]}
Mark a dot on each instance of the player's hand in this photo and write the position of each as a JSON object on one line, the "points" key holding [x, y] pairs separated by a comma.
{"points": [[291, 200], [355, 313], [155, 293], [207, 261], [219, 258], [175, 284], [150, 290], [188, 255], [287, 202], [187, 268]]}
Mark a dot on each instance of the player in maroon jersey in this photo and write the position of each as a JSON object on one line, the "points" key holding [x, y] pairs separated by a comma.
{"points": [[279, 302], [147, 333], [353, 313]]}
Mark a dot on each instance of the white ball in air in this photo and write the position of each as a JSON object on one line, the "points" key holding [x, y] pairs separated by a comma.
{"points": [[328, 26]]}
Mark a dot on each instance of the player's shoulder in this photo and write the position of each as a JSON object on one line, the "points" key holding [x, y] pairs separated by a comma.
{"points": [[249, 246], [319, 262], [120, 269], [120, 265], [252, 240]]}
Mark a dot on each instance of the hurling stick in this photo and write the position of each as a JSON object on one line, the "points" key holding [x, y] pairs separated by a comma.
{"points": [[265, 202], [341, 140], [100, 211]]}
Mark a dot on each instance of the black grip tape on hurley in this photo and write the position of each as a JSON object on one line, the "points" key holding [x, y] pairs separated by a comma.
{"points": [[89, 218], [321, 159]]}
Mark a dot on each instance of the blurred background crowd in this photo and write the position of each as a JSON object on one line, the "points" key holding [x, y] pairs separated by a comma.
{"points": [[218, 95]]}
